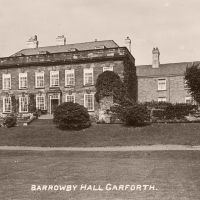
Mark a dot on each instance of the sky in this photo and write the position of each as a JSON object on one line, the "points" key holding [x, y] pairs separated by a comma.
{"points": [[171, 25]]}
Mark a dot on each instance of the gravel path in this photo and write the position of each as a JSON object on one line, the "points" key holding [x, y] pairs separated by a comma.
{"points": [[113, 148]]}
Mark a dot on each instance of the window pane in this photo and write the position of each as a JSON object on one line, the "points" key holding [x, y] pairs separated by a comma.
{"points": [[88, 76], [162, 99], [23, 104], [69, 77], [89, 102], [70, 98], [39, 79], [40, 102], [162, 84], [108, 68], [23, 80], [7, 104], [54, 78]]}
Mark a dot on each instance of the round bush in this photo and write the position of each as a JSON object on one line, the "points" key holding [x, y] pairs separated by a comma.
{"points": [[71, 115], [135, 115], [10, 121]]}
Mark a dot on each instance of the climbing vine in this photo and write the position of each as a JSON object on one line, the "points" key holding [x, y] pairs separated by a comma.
{"points": [[32, 103], [15, 104]]}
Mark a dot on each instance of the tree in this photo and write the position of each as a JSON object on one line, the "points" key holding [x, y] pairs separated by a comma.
{"points": [[192, 78], [109, 84]]}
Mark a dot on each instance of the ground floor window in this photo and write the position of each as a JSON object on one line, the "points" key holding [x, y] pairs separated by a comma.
{"points": [[189, 100], [162, 99], [40, 102], [7, 104], [23, 104], [89, 101], [70, 98]]}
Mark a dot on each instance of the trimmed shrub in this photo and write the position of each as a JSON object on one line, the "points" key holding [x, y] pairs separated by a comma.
{"points": [[157, 114], [136, 115], [10, 121], [169, 111], [179, 111], [133, 115], [157, 105], [71, 115]]}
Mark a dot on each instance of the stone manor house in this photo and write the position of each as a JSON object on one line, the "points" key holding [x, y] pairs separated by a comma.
{"points": [[61, 73], [68, 72]]}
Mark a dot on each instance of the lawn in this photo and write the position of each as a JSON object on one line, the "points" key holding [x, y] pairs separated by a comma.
{"points": [[44, 133], [174, 174]]}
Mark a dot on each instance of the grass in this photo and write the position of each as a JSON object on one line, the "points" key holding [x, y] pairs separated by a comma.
{"points": [[174, 173], [44, 133]]}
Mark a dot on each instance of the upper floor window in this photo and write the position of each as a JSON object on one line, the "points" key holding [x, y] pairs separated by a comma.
{"points": [[162, 99], [54, 78], [23, 83], [189, 100], [40, 102], [70, 98], [6, 81], [185, 85], [39, 79], [23, 104], [69, 77], [89, 101], [162, 84], [7, 104], [88, 76], [110, 68]]}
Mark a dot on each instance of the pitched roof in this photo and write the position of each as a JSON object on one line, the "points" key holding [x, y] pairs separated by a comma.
{"points": [[169, 69], [68, 47]]}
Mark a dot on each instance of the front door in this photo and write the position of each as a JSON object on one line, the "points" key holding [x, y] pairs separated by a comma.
{"points": [[54, 105]]}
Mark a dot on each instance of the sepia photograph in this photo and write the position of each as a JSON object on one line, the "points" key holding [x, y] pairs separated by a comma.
{"points": [[99, 100]]}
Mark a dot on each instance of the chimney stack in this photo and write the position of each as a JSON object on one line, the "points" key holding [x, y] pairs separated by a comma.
{"points": [[156, 58], [61, 40], [128, 43], [32, 42]]}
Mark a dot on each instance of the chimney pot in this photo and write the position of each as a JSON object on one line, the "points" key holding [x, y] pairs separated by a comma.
{"points": [[128, 43], [156, 57], [61, 40], [32, 42]]}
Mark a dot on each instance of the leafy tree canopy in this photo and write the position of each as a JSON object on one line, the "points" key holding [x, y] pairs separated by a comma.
{"points": [[192, 78], [109, 84]]}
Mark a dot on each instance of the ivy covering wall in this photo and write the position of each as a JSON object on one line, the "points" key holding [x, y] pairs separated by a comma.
{"points": [[32, 103], [109, 84]]}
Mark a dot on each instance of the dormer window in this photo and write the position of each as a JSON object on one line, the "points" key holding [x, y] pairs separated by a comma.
{"points": [[100, 47], [72, 50], [43, 52]]}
